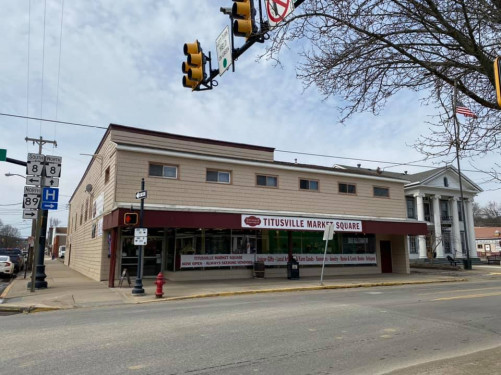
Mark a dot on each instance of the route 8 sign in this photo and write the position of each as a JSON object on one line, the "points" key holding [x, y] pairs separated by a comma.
{"points": [[53, 166], [35, 164]]}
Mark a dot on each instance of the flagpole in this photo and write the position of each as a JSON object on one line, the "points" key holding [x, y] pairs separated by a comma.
{"points": [[467, 265]]}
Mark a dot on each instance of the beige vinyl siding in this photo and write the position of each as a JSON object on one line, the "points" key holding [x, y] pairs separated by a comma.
{"points": [[189, 146], [191, 189], [87, 256]]}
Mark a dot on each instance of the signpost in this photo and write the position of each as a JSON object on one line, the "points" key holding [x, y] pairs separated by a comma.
{"points": [[140, 239], [277, 10], [328, 235], [223, 50]]}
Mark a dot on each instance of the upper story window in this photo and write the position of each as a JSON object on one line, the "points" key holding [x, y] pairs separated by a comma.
{"points": [[444, 209], [166, 171], [107, 175], [265, 180], [222, 177], [460, 211], [305, 184], [381, 191], [347, 188], [446, 182], [411, 209]]}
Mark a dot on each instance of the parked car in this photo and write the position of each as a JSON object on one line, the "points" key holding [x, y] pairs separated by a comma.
{"points": [[16, 256], [6, 266], [62, 251]]}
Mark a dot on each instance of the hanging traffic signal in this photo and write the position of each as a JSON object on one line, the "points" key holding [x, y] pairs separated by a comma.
{"points": [[131, 218], [243, 13], [194, 66], [497, 79]]}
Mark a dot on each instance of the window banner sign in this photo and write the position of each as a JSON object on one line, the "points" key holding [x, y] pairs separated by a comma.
{"points": [[217, 260], [243, 260], [299, 223], [317, 259]]}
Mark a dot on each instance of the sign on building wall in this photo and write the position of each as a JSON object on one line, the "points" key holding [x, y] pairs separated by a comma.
{"points": [[242, 260], [98, 206], [299, 223]]}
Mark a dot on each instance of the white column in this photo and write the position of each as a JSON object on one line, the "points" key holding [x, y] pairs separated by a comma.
{"points": [[456, 234], [420, 216], [438, 227], [470, 227]]}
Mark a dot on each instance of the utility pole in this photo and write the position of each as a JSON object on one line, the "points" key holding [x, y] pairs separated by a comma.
{"points": [[38, 269]]}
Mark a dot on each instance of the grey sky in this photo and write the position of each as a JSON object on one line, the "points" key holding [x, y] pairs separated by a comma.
{"points": [[121, 63]]}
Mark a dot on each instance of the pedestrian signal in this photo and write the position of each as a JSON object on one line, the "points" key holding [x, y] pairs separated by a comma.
{"points": [[130, 218]]}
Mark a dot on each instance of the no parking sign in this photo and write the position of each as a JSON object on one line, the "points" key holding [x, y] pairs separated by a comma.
{"points": [[277, 10]]}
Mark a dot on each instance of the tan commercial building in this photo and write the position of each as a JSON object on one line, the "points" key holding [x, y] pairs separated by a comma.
{"points": [[213, 209]]}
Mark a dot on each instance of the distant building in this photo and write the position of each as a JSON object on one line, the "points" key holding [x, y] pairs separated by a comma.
{"points": [[58, 239], [214, 208], [434, 196], [488, 241]]}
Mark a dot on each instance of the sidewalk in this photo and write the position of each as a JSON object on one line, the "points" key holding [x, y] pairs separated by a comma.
{"points": [[69, 289]]}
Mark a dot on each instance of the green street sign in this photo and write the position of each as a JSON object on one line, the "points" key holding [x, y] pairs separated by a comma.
{"points": [[3, 154]]}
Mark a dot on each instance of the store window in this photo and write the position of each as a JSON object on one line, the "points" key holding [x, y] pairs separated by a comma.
{"points": [[268, 181], [413, 247], [359, 244], [166, 171], [308, 184], [347, 188], [381, 192], [411, 208], [222, 177]]}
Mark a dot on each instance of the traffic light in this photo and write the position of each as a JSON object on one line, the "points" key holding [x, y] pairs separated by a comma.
{"points": [[497, 78], [130, 218], [243, 13], [194, 66]]}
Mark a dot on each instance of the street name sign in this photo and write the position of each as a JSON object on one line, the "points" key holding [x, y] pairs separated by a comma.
{"points": [[29, 214], [33, 180], [35, 164], [53, 166], [50, 182], [223, 50]]}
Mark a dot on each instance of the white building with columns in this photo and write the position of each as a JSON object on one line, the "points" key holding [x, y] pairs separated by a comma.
{"points": [[434, 196]]}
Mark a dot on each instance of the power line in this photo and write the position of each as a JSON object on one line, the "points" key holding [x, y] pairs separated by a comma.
{"points": [[55, 121]]}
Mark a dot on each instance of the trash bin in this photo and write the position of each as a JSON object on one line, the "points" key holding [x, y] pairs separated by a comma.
{"points": [[259, 269], [293, 270], [467, 264]]}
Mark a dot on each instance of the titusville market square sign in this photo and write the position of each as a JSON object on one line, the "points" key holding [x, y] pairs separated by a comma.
{"points": [[299, 223]]}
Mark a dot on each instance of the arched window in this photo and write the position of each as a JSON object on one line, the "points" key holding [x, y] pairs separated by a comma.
{"points": [[446, 182]]}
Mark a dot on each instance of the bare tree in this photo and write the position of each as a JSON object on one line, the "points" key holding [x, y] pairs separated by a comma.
{"points": [[369, 50], [10, 236], [488, 215], [54, 222]]}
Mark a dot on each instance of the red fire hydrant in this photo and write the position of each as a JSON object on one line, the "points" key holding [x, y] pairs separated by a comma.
{"points": [[160, 281]]}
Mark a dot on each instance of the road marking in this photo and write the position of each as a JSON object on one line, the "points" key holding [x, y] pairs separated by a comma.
{"points": [[468, 296], [458, 290]]}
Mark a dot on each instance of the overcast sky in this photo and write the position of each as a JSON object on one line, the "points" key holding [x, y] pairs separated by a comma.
{"points": [[120, 62]]}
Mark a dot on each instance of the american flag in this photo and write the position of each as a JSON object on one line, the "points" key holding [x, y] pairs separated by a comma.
{"points": [[464, 110]]}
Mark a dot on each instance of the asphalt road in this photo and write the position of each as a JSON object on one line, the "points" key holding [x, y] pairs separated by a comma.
{"points": [[407, 330]]}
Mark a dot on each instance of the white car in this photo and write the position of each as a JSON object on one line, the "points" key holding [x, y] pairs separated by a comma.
{"points": [[62, 251], [6, 266]]}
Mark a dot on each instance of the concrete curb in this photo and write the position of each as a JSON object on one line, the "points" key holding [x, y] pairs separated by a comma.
{"points": [[35, 309], [298, 289]]}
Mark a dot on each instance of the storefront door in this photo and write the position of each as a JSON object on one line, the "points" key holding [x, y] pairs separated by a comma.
{"points": [[385, 247]]}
